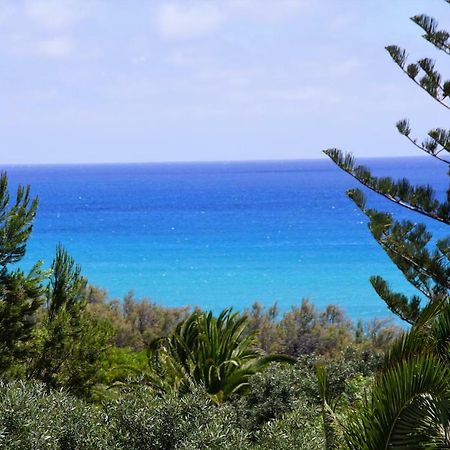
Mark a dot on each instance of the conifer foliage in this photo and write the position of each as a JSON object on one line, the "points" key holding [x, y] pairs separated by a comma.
{"points": [[21, 294], [423, 260], [46, 332], [68, 341]]}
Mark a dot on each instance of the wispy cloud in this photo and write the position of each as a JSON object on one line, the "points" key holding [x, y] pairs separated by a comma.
{"points": [[55, 14], [267, 10], [262, 70], [57, 47], [44, 28], [185, 20], [182, 20], [305, 94]]}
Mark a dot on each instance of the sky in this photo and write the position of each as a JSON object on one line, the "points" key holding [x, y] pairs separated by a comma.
{"points": [[110, 81]]}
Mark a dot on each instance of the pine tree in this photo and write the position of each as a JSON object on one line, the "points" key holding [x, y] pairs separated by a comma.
{"points": [[21, 294], [424, 261], [60, 326], [69, 341]]}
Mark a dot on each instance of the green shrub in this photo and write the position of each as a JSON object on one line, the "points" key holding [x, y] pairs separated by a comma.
{"points": [[191, 422], [299, 429], [272, 393], [31, 418], [282, 389]]}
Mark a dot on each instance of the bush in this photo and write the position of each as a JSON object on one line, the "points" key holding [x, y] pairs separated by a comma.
{"points": [[305, 330], [281, 410], [272, 393], [31, 418], [299, 429], [146, 422]]}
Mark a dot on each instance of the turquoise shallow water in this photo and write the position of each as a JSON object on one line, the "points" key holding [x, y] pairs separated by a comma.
{"points": [[220, 234]]}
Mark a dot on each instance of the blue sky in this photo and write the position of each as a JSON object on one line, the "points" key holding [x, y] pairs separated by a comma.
{"points": [[148, 80]]}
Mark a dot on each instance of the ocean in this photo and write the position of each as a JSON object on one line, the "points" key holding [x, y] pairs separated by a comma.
{"points": [[221, 234]]}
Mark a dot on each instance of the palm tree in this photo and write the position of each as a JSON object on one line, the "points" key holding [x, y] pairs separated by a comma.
{"points": [[215, 353], [408, 406]]}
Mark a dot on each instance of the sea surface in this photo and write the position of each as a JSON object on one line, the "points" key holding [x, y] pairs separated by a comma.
{"points": [[221, 234]]}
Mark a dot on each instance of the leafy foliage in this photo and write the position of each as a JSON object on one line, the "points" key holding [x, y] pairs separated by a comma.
{"points": [[208, 351], [136, 322], [409, 402], [191, 422], [275, 391], [299, 429], [281, 410], [31, 418]]}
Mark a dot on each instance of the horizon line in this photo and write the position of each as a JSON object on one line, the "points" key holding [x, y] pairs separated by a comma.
{"points": [[213, 161]]}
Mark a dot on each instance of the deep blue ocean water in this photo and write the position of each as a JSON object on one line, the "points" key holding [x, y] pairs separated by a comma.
{"points": [[221, 234]]}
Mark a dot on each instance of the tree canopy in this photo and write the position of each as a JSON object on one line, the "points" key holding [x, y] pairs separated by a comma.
{"points": [[423, 259]]}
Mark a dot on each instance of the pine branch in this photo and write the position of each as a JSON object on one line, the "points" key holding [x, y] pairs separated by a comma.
{"points": [[413, 267], [407, 309], [16, 223], [430, 146], [430, 82], [67, 286], [406, 243], [439, 38], [420, 199]]}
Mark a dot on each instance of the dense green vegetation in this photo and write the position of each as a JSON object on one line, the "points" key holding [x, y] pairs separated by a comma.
{"points": [[81, 371], [407, 405]]}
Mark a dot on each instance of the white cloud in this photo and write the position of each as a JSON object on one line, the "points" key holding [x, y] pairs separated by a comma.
{"points": [[184, 20], [268, 10], [57, 47], [305, 94], [181, 21], [55, 14]]}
